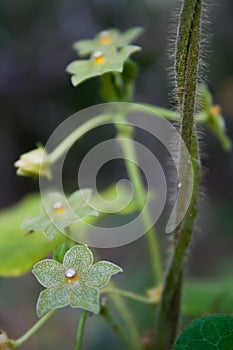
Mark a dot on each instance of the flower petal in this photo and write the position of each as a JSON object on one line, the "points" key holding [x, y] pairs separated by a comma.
{"points": [[80, 198], [78, 257], [49, 272], [100, 273], [35, 223], [79, 202], [50, 231], [52, 298], [86, 298]]}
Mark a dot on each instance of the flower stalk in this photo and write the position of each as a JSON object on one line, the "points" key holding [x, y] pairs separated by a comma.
{"points": [[80, 330], [18, 342]]}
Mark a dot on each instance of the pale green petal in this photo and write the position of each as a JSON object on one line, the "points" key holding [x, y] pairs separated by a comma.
{"points": [[52, 298], [82, 70], [78, 257], [35, 223], [84, 212], [79, 202], [84, 47], [80, 198], [50, 231], [86, 298], [100, 273], [127, 51], [49, 272], [119, 40], [129, 36]]}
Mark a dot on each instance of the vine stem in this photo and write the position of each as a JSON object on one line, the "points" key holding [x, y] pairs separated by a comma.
{"points": [[80, 330], [18, 342], [77, 134], [127, 294], [124, 137], [104, 118], [186, 70]]}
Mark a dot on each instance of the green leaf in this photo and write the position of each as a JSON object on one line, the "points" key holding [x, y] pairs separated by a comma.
{"points": [[52, 298], [100, 273], [86, 298], [106, 39], [214, 332], [112, 61], [20, 251], [49, 272]]}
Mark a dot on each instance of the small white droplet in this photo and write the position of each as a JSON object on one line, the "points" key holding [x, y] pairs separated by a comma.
{"points": [[179, 185], [57, 205], [70, 273], [104, 33], [98, 54]]}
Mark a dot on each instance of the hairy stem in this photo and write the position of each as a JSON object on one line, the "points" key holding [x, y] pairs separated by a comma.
{"points": [[80, 330], [186, 68]]}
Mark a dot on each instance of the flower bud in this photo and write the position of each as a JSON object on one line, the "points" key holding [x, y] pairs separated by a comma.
{"points": [[5, 343], [34, 163]]}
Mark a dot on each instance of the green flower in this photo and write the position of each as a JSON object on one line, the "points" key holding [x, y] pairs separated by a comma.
{"points": [[76, 282], [101, 62], [34, 163], [106, 39], [60, 213]]}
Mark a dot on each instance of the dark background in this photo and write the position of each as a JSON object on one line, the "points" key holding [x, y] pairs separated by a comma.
{"points": [[36, 96]]}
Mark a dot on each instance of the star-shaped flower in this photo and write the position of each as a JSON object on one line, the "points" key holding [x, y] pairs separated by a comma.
{"points": [[106, 39], [58, 213], [101, 62], [76, 282]]}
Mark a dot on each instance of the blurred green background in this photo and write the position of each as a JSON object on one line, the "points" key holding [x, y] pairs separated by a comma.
{"points": [[36, 96]]}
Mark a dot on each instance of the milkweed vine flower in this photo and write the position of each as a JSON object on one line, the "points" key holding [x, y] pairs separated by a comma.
{"points": [[106, 39], [101, 62], [34, 163], [60, 212], [75, 282]]}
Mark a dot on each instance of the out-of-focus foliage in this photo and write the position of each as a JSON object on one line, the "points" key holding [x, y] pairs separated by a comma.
{"points": [[20, 250]]}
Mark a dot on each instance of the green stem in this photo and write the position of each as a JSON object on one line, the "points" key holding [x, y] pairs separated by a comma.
{"points": [[135, 178], [18, 342], [164, 112], [77, 134], [125, 339], [126, 294], [186, 68], [80, 330]]}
